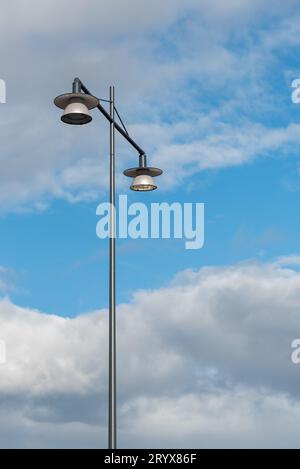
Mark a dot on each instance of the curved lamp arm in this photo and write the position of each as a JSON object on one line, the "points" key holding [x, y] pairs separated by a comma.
{"points": [[79, 87]]}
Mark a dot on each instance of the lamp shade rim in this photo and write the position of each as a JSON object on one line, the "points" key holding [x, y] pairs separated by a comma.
{"points": [[63, 100], [147, 171]]}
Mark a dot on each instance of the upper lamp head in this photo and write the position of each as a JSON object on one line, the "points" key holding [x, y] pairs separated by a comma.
{"points": [[76, 107], [143, 178]]}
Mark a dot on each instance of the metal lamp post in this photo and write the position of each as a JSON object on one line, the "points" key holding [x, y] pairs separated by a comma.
{"points": [[77, 106]]}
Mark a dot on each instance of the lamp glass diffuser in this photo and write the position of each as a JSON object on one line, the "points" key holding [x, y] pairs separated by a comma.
{"points": [[143, 182], [76, 113]]}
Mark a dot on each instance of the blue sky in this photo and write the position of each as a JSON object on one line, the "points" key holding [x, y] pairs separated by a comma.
{"points": [[205, 88], [250, 213]]}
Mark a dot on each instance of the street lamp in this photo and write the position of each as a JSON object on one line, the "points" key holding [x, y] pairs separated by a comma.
{"points": [[143, 176], [77, 106]]}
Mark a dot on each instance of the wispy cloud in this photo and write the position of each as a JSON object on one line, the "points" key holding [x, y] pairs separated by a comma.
{"points": [[192, 77]]}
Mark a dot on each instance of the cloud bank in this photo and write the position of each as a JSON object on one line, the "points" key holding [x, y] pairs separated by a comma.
{"points": [[203, 362]]}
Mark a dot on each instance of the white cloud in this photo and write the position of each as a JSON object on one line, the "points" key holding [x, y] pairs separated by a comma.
{"points": [[239, 418], [224, 146], [214, 346]]}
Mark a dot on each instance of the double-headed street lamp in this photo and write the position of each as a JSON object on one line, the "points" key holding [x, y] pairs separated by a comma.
{"points": [[77, 106]]}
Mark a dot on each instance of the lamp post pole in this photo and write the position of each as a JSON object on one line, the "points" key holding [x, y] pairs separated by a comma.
{"points": [[76, 106], [112, 417]]}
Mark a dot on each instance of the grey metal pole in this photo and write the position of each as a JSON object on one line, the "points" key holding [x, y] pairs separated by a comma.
{"points": [[112, 412]]}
